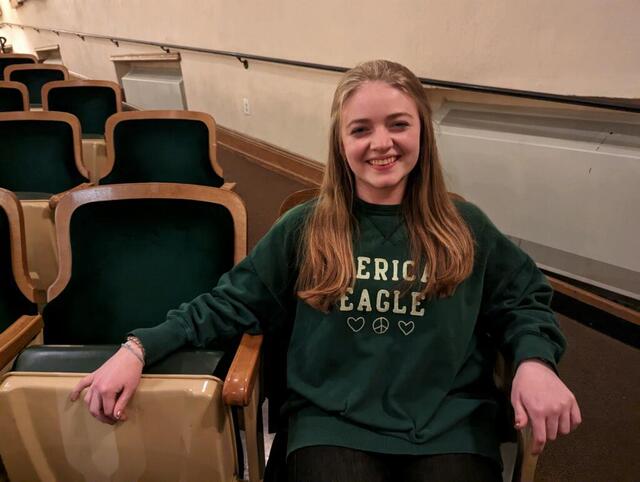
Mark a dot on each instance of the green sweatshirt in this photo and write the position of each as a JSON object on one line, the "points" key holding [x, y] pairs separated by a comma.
{"points": [[383, 371]]}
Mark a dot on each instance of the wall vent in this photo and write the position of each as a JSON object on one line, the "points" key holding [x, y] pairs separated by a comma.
{"points": [[151, 81]]}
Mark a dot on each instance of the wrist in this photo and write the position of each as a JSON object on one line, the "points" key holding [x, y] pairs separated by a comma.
{"points": [[539, 361], [134, 346], [135, 341]]}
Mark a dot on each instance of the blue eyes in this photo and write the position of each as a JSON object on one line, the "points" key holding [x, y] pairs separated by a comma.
{"points": [[396, 126], [357, 130]]}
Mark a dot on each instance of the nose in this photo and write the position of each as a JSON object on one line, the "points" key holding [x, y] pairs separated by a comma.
{"points": [[381, 140]]}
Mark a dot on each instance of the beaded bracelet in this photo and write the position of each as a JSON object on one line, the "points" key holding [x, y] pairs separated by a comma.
{"points": [[135, 353], [135, 340]]}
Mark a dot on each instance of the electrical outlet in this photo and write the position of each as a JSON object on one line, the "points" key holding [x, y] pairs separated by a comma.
{"points": [[245, 106]]}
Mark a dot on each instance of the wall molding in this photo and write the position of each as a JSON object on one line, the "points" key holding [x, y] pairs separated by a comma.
{"points": [[271, 157], [592, 299]]}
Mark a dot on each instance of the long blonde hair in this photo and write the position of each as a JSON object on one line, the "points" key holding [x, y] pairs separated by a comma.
{"points": [[440, 240]]}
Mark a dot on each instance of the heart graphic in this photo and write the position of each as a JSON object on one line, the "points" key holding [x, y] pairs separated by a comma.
{"points": [[356, 324], [406, 327]]}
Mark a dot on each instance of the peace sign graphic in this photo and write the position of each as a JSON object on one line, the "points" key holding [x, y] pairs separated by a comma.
{"points": [[380, 325]]}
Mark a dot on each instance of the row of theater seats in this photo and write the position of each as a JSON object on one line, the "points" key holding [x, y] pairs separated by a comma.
{"points": [[83, 120], [24, 69], [161, 232], [34, 77]]}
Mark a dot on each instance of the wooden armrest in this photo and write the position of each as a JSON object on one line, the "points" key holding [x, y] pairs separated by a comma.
{"points": [[243, 372], [528, 461], [17, 336], [55, 199], [228, 186], [526, 466], [503, 375]]}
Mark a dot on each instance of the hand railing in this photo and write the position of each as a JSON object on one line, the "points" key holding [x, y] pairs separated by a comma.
{"points": [[244, 59]]}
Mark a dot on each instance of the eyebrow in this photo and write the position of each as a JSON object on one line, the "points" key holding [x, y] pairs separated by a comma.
{"points": [[392, 116]]}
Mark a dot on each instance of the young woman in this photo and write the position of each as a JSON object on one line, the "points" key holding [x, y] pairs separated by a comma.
{"points": [[397, 299]]}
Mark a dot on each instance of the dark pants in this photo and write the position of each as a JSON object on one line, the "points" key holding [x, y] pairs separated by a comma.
{"points": [[339, 464]]}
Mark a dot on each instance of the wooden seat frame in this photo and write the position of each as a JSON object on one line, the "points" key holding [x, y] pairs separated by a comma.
{"points": [[9, 69], [72, 121], [63, 84], [241, 387], [116, 119], [22, 332], [91, 146], [18, 56]]}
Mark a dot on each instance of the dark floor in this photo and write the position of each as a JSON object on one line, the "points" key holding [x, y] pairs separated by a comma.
{"points": [[603, 373]]}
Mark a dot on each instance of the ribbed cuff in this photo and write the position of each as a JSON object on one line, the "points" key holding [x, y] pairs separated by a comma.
{"points": [[530, 346], [160, 340]]}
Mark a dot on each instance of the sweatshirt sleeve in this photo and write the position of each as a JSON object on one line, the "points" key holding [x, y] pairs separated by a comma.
{"points": [[251, 297], [516, 302]]}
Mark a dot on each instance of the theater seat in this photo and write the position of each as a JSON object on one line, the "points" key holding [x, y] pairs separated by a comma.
{"points": [[92, 102], [40, 152], [155, 445], [15, 59], [19, 322], [162, 146], [34, 77], [13, 96], [129, 253]]}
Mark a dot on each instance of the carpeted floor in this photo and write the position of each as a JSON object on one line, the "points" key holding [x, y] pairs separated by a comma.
{"points": [[603, 373]]}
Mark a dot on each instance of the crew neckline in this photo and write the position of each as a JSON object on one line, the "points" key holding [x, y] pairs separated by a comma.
{"points": [[370, 208]]}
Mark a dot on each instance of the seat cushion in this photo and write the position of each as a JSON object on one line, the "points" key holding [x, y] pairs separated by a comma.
{"points": [[87, 358]]}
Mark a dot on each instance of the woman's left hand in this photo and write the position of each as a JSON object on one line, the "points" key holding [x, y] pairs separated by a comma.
{"points": [[539, 397]]}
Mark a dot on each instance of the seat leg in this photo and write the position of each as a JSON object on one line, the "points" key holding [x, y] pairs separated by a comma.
{"points": [[255, 438]]}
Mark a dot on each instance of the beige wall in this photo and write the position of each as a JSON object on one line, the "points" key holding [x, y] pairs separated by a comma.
{"points": [[580, 47]]}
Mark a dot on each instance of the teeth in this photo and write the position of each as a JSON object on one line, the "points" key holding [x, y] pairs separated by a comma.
{"points": [[382, 162]]}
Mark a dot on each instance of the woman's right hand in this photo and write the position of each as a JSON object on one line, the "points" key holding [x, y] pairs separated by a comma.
{"points": [[111, 386]]}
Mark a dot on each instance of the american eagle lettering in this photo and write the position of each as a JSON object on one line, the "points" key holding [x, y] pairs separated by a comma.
{"points": [[382, 300]]}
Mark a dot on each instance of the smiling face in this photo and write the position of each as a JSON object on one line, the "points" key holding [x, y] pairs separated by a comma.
{"points": [[380, 135]]}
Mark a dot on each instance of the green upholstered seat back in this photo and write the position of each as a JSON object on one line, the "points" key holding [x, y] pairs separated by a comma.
{"points": [[132, 261], [34, 79], [10, 100], [37, 156], [13, 303], [6, 61], [162, 150], [91, 104]]}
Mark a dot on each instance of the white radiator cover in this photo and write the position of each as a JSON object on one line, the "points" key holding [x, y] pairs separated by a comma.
{"points": [[153, 89], [563, 184]]}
